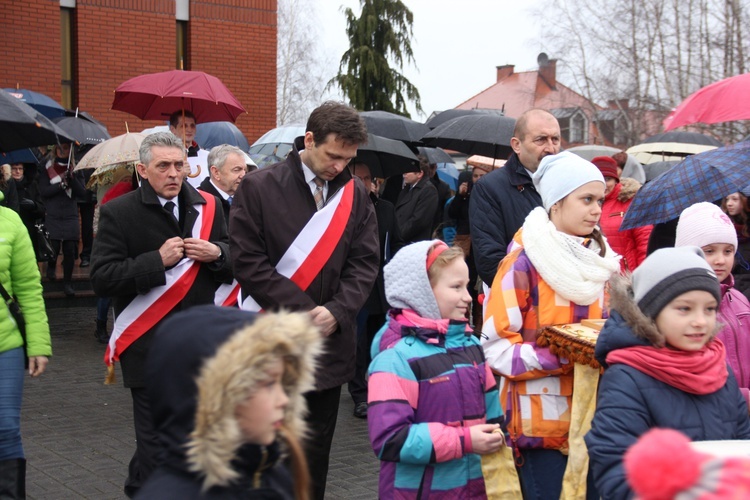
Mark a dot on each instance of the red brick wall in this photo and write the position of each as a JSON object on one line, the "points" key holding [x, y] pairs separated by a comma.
{"points": [[234, 40], [31, 56]]}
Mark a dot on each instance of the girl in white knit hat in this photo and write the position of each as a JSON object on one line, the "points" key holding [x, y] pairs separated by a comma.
{"points": [[556, 276], [706, 226]]}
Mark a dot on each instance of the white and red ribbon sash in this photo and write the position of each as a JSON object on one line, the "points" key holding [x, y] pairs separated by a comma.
{"points": [[314, 245], [146, 310], [55, 172], [227, 294]]}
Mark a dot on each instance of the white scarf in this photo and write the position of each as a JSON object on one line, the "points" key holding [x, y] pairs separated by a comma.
{"points": [[575, 272]]}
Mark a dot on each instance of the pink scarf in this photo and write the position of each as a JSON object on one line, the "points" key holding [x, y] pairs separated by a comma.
{"points": [[697, 372]]}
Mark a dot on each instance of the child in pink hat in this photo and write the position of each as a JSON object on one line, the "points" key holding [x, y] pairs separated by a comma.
{"points": [[706, 226]]}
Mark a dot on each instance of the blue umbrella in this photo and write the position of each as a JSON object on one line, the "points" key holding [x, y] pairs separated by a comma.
{"points": [[706, 176], [25, 155], [448, 173], [279, 135], [213, 134], [40, 102]]}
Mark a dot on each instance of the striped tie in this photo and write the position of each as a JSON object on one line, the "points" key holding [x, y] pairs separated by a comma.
{"points": [[318, 194]]}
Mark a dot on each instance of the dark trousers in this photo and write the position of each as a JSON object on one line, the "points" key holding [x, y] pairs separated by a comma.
{"points": [[147, 447], [70, 254], [87, 229], [323, 407], [542, 474], [367, 326]]}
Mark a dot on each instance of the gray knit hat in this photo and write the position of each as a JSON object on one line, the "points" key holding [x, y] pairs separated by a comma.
{"points": [[407, 284], [670, 272]]}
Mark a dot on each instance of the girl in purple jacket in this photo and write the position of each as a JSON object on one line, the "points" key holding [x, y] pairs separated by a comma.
{"points": [[433, 402], [706, 226]]}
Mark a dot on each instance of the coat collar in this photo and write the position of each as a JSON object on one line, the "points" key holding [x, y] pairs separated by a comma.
{"points": [[296, 163], [517, 173], [187, 195]]}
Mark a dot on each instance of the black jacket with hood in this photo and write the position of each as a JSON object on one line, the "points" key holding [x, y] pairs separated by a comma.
{"points": [[203, 363]]}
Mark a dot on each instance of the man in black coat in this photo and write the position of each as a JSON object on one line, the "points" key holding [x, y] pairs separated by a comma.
{"points": [[372, 315], [444, 194], [502, 199], [226, 168], [146, 246], [416, 205]]}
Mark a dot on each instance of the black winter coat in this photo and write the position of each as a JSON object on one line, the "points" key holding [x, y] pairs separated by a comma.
{"points": [[62, 210], [209, 188], [630, 403], [390, 243], [499, 204], [415, 211], [126, 262]]}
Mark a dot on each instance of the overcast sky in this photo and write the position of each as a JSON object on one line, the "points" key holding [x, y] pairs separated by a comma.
{"points": [[456, 45]]}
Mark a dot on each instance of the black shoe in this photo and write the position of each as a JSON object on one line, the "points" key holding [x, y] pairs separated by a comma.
{"points": [[13, 478], [101, 332], [360, 410], [50, 272], [68, 290], [85, 262]]}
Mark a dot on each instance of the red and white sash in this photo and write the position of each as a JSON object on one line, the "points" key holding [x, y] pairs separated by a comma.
{"points": [[146, 310], [227, 294], [314, 245]]}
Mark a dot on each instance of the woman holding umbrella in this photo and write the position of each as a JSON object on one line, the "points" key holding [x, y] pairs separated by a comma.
{"points": [[59, 188]]}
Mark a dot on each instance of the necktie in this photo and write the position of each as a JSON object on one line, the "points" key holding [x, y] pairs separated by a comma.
{"points": [[318, 194], [169, 207], [229, 200]]}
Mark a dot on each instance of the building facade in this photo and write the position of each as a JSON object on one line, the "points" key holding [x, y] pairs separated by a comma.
{"points": [[79, 51]]}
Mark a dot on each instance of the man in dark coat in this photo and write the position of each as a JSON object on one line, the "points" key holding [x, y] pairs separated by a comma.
{"points": [[502, 199], [285, 203], [372, 315], [444, 194], [137, 249], [416, 205], [226, 168]]}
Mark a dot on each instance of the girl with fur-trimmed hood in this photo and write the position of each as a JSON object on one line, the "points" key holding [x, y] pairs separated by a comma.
{"points": [[227, 400], [663, 365]]}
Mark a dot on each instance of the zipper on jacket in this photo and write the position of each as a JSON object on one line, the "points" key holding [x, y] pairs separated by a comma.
{"points": [[261, 467]]}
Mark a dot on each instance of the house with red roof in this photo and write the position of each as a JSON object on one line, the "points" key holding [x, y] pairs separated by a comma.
{"points": [[581, 120]]}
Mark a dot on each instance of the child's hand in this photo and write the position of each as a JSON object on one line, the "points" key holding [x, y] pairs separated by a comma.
{"points": [[486, 438]]}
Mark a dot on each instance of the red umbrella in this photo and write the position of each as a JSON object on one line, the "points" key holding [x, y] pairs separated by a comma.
{"points": [[722, 101], [157, 95]]}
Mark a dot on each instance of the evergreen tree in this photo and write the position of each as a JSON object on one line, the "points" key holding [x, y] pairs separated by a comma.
{"points": [[382, 33]]}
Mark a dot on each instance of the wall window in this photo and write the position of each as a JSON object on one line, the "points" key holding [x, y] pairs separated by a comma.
{"points": [[182, 45], [578, 125]]}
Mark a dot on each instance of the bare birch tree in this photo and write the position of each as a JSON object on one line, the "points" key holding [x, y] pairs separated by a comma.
{"points": [[300, 62], [650, 54]]}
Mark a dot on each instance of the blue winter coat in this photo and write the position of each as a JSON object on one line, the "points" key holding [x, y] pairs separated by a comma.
{"points": [[630, 403]]}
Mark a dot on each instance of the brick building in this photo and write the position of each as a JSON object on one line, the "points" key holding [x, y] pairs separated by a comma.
{"points": [[79, 51]]}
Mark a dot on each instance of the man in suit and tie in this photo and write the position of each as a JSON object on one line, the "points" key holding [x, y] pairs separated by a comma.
{"points": [[226, 169], [159, 249]]}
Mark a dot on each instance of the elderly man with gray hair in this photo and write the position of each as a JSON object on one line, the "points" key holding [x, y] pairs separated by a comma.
{"points": [[159, 249], [226, 169]]}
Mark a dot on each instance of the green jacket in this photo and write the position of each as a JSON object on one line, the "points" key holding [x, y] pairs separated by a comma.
{"points": [[19, 274]]}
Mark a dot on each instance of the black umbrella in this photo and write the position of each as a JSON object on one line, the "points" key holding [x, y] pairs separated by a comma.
{"points": [[450, 114], [475, 134], [435, 155], [393, 126], [654, 170], [684, 138], [83, 130], [386, 157], [23, 127]]}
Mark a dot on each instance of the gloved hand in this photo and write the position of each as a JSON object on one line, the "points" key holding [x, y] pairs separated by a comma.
{"points": [[27, 204]]}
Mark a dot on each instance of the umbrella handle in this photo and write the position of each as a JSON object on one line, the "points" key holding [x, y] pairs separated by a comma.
{"points": [[194, 175]]}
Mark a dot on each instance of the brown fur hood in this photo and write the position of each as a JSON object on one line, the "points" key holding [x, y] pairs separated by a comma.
{"points": [[628, 189], [210, 359], [627, 326]]}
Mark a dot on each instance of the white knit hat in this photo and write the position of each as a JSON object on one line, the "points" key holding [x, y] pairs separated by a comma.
{"points": [[704, 224], [561, 174]]}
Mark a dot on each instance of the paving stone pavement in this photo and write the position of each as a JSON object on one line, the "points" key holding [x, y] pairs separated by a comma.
{"points": [[78, 433]]}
